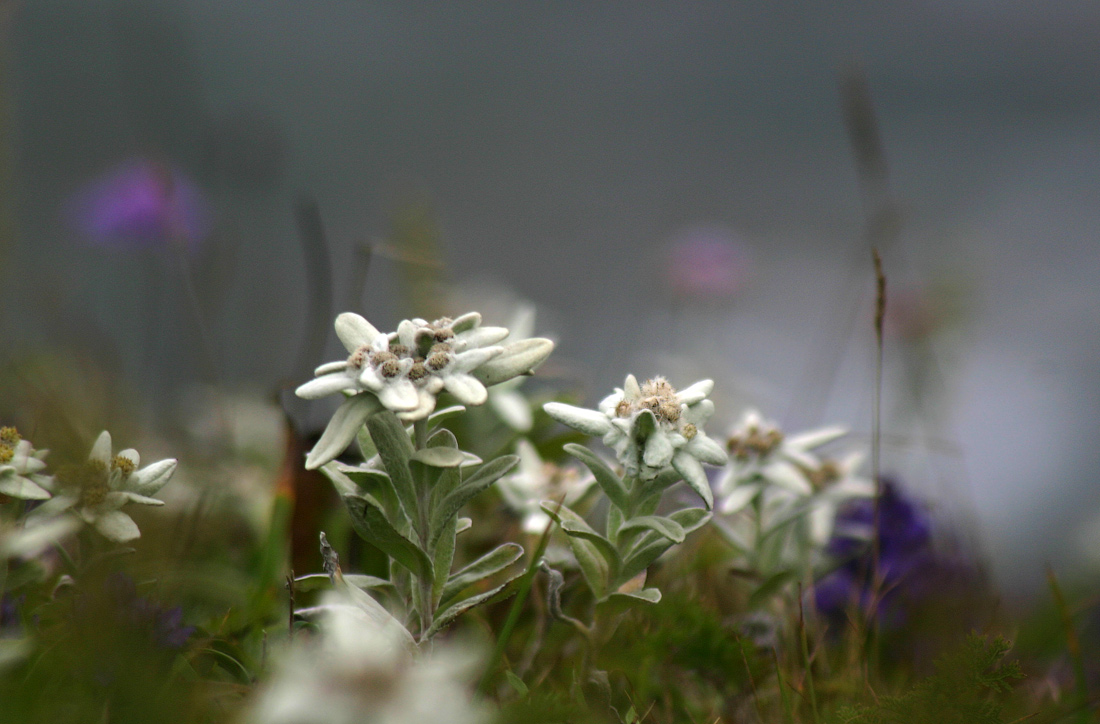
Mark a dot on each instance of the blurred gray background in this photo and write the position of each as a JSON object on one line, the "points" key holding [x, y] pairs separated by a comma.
{"points": [[574, 154]]}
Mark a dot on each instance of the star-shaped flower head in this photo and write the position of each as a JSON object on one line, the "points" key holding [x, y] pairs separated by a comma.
{"points": [[761, 455], [21, 468], [404, 371], [97, 489], [652, 427]]}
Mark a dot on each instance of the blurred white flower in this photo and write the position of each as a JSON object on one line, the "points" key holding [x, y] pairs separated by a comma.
{"points": [[21, 468], [97, 490], [761, 455], [26, 542], [790, 479], [536, 481], [358, 671], [652, 427]]}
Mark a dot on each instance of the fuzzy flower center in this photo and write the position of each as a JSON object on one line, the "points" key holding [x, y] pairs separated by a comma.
{"points": [[91, 479], [660, 398], [754, 441], [824, 475], [9, 436], [433, 353], [123, 465]]}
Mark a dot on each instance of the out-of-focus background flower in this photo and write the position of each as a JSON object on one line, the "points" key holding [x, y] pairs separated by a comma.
{"points": [[673, 186]]}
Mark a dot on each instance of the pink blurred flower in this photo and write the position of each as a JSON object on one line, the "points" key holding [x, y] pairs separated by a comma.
{"points": [[706, 262], [141, 203]]}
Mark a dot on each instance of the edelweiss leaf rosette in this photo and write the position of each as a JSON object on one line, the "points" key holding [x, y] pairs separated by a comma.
{"points": [[404, 371], [21, 468], [652, 427], [97, 490]]}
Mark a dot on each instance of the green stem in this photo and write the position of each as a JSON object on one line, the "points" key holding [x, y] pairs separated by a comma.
{"points": [[807, 665], [517, 608], [423, 494], [66, 559]]}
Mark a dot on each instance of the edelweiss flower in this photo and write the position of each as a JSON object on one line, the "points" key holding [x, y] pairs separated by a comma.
{"points": [[651, 427], [536, 481], [403, 371], [793, 480], [97, 490], [20, 468], [759, 453], [406, 369]]}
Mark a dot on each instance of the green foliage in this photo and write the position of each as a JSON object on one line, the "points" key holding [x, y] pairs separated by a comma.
{"points": [[970, 686]]}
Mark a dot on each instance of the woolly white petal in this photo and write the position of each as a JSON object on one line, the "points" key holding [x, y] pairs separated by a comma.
{"points": [[465, 322], [695, 393], [631, 389], [738, 498], [151, 478], [324, 386], [590, 422], [816, 438], [424, 407], [699, 413], [141, 499], [466, 361], [706, 449], [468, 390], [482, 336], [117, 526], [354, 331], [370, 379], [658, 450], [328, 367], [101, 450], [693, 475], [398, 394], [787, 476], [16, 486]]}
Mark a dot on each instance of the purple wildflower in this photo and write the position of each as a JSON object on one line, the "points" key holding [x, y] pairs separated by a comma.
{"points": [[907, 563], [141, 203]]}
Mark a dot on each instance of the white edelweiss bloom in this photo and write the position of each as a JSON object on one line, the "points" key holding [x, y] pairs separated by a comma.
{"points": [[97, 490], [652, 427], [760, 455], [794, 483], [536, 481], [359, 672], [404, 371], [21, 468]]}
